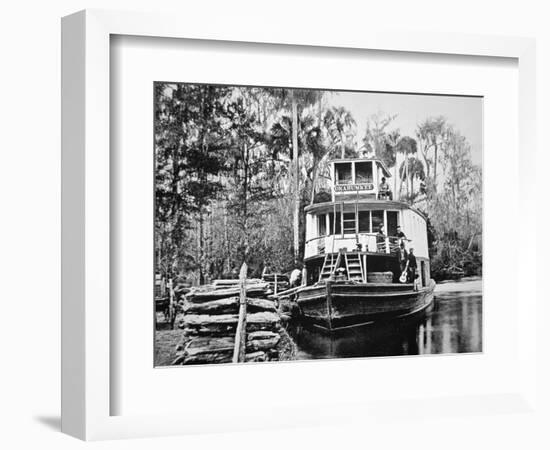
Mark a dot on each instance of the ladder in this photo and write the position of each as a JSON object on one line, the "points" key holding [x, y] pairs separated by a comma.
{"points": [[354, 266], [328, 267]]}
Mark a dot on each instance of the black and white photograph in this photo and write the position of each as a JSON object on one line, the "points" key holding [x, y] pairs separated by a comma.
{"points": [[297, 224]]}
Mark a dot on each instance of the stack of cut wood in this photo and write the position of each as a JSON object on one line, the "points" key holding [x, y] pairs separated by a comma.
{"points": [[210, 322]]}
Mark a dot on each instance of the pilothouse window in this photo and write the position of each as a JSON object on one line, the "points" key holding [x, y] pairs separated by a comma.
{"points": [[364, 222], [392, 223], [343, 173], [363, 172], [377, 220]]}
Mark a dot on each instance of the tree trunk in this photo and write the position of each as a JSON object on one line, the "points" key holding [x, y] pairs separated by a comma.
{"points": [[395, 179], [226, 240], [400, 182], [407, 174], [296, 166], [435, 168], [200, 246], [245, 201], [313, 180]]}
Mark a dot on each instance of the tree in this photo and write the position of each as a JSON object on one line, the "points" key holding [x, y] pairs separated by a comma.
{"points": [[392, 141], [296, 100], [407, 147], [340, 126], [431, 133], [411, 169], [376, 137], [189, 143]]}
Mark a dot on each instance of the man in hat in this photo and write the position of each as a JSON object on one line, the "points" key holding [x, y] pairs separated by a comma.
{"points": [[400, 236], [412, 265], [384, 191]]}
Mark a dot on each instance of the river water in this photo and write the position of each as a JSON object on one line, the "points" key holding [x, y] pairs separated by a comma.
{"points": [[453, 325]]}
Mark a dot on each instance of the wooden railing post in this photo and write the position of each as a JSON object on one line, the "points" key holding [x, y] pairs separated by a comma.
{"points": [[240, 335]]}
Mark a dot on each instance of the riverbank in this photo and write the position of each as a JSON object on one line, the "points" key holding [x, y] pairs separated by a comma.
{"points": [[469, 284]]}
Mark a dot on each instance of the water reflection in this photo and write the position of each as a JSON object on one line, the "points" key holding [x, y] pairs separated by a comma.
{"points": [[452, 326]]}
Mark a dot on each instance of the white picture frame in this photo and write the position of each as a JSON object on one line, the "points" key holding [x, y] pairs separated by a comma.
{"points": [[86, 319]]}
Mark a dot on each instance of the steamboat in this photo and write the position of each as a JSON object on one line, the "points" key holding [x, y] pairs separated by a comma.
{"points": [[359, 266]]}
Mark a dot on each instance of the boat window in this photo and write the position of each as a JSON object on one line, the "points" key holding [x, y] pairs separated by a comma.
{"points": [[392, 223], [377, 220], [343, 173], [363, 172], [349, 223], [364, 222], [338, 223], [321, 225]]}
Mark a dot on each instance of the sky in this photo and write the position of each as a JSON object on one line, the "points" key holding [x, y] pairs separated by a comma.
{"points": [[464, 113]]}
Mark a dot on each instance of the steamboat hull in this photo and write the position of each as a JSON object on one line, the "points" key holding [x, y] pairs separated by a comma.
{"points": [[340, 305]]}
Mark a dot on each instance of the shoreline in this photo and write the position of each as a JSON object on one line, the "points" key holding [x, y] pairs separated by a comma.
{"points": [[464, 284]]}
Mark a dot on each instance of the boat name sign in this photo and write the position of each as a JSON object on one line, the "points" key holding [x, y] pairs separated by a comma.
{"points": [[353, 187]]}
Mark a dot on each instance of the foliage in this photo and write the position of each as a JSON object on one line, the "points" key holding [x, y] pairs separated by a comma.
{"points": [[235, 166]]}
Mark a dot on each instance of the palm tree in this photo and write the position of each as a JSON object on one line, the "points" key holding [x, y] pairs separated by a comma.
{"points": [[339, 123], [295, 100], [406, 146], [430, 134], [411, 169], [392, 139]]}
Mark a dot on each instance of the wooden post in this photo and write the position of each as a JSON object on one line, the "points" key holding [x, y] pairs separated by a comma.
{"points": [[240, 335], [276, 285], [171, 305]]}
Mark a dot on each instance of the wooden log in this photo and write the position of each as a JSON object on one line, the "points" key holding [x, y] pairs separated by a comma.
{"points": [[200, 345], [234, 282], [262, 344], [222, 345], [229, 305], [204, 358], [198, 320], [254, 290], [259, 335], [258, 356]]}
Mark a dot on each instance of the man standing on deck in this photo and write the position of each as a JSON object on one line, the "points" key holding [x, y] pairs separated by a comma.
{"points": [[295, 278], [400, 233], [381, 240], [412, 265], [402, 257]]}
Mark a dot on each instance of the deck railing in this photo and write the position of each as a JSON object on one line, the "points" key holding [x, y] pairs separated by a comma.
{"points": [[369, 242]]}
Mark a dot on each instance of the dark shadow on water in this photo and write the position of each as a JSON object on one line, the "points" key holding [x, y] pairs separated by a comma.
{"points": [[51, 422], [454, 325]]}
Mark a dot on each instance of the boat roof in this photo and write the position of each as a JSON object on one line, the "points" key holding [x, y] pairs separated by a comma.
{"points": [[376, 160], [370, 204]]}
